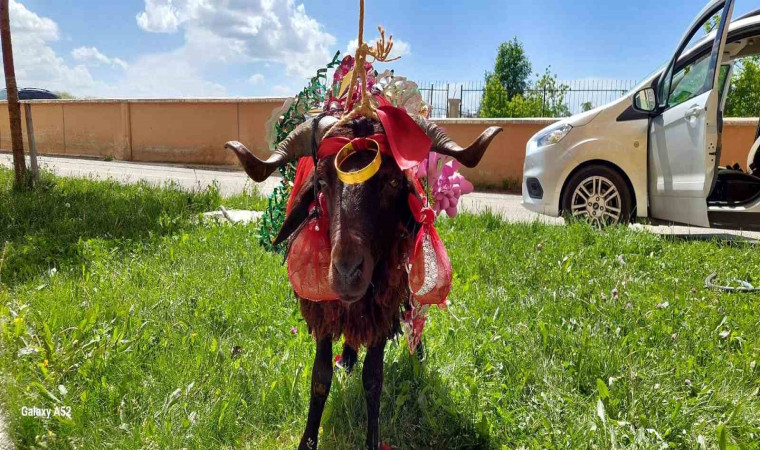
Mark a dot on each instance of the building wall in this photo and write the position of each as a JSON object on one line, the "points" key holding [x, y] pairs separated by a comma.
{"points": [[194, 132]]}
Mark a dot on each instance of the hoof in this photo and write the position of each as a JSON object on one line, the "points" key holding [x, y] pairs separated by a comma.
{"points": [[347, 360]]}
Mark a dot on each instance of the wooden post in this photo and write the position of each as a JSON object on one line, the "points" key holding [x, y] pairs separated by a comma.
{"points": [[14, 109], [32, 141]]}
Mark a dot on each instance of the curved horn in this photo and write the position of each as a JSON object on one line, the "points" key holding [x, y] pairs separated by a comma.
{"points": [[442, 144], [296, 145]]}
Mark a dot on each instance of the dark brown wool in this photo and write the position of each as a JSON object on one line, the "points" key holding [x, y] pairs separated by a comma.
{"points": [[370, 320]]}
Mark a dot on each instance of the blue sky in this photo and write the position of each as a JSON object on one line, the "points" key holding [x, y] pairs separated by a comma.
{"points": [[192, 48]]}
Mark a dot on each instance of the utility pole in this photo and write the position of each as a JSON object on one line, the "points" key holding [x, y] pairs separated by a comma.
{"points": [[14, 109]]}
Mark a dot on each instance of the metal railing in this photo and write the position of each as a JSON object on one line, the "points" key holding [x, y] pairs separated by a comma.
{"points": [[576, 96]]}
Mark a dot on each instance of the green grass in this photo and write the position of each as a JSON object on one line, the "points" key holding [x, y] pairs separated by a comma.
{"points": [[135, 327]]}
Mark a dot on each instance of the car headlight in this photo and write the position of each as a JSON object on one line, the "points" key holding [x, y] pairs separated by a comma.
{"points": [[551, 136]]}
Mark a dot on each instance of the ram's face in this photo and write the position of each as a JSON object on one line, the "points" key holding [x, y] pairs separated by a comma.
{"points": [[365, 220]]}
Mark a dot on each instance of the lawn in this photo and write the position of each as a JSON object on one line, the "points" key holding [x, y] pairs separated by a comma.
{"points": [[117, 302]]}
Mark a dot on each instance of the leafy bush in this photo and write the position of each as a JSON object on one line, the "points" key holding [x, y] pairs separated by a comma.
{"points": [[744, 97], [545, 98]]}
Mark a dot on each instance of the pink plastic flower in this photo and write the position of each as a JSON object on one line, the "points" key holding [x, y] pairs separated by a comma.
{"points": [[446, 183], [339, 104]]}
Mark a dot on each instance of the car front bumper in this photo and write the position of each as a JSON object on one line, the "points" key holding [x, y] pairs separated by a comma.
{"points": [[541, 170]]}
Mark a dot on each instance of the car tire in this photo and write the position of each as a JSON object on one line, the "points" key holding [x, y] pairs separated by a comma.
{"points": [[599, 195]]}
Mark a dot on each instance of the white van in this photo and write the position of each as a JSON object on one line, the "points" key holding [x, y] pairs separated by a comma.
{"points": [[655, 152]]}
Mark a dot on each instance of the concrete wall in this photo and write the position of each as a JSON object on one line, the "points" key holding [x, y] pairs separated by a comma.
{"points": [[738, 137], [194, 132], [503, 162]]}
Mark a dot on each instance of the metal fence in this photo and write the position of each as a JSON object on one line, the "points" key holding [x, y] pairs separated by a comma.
{"points": [[576, 96]]}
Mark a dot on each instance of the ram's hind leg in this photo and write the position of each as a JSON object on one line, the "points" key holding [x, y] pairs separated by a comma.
{"points": [[348, 358], [372, 378], [321, 378]]}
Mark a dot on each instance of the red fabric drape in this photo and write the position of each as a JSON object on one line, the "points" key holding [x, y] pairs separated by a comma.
{"points": [[309, 259], [430, 272]]}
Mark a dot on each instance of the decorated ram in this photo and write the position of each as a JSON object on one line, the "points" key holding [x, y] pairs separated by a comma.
{"points": [[363, 253]]}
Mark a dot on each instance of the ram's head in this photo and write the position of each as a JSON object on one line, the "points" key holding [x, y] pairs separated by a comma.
{"points": [[365, 219]]}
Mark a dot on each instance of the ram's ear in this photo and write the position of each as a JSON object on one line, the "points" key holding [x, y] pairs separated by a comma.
{"points": [[413, 187], [298, 213]]}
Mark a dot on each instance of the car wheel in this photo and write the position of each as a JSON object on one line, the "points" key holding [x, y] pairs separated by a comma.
{"points": [[598, 195]]}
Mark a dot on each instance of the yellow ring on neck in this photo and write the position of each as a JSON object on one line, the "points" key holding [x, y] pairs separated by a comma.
{"points": [[361, 175]]}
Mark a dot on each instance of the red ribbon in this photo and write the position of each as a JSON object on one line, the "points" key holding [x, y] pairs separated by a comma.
{"points": [[329, 147], [409, 144], [424, 215]]}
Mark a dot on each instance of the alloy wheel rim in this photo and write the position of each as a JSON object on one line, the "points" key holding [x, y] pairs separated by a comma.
{"points": [[597, 200]]}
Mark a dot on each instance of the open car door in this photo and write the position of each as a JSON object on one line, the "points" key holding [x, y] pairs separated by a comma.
{"points": [[684, 137]]}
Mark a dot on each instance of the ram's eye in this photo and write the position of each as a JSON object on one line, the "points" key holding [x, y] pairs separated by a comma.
{"points": [[395, 183]]}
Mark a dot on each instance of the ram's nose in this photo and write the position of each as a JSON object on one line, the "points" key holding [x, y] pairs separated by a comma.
{"points": [[349, 267]]}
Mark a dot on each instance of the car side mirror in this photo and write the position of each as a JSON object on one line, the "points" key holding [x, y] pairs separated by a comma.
{"points": [[645, 100]]}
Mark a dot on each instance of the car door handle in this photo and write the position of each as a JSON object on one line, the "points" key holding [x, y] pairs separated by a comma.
{"points": [[693, 112]]}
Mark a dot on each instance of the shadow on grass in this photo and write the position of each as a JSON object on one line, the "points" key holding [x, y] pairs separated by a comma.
{"points": [[417, 411], [726, 239], [49, 228]]}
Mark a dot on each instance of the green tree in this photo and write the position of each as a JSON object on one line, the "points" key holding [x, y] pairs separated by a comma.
{"points": [[712, 24], [512, 68], [64, 95], [510, 93], [744, 97], [495, 99], [587, 106], [550, 94], [545, 97]]}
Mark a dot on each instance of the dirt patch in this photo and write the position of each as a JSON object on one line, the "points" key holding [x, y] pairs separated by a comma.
{"points": [[5, 439]]}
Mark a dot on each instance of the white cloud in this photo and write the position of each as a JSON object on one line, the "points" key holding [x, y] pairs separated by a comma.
{"points": [[37, 64], [216, 33], [92, 56], [244, 31], [166, 75], [159, 17], [400, 48], [256, 78], [282, 90], [24, 22], [169, 74]]}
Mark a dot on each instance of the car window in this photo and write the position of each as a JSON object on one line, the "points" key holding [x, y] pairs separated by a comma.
{"points": [[701, 34], [724, 69], [689, 82]]}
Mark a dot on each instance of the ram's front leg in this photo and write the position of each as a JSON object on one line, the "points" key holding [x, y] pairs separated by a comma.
{"points": [[372, 378], [321, 378]]}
